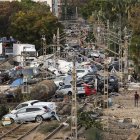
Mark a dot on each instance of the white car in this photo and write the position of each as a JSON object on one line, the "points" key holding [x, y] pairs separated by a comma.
{"points": [[31, 113], [31, 103], [82, 72], [67, 89], [59, 80]]}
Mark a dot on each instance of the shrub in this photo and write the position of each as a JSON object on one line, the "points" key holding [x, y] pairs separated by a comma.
{"points": [[3, 110]]}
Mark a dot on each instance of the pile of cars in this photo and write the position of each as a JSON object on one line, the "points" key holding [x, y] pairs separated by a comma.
{"points": [[65, 88]]}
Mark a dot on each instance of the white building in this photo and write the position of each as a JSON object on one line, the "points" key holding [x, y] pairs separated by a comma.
{"points": [[24, 52]]}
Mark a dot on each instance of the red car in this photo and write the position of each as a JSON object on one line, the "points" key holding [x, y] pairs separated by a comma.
{"points": [[89, 89]]}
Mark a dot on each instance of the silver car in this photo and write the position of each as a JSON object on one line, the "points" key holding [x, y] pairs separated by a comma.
{"points": [[32, 113]]}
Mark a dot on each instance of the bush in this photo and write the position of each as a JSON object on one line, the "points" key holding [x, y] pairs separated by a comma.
{"points": [[3, 110], [85, 120]]}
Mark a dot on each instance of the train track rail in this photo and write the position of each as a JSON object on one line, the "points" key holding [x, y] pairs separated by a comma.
{"points": [[56, 130], [19, 131]]}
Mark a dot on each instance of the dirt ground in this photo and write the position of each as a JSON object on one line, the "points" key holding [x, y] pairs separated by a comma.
{"points": [[124, 117], [127, 108]]}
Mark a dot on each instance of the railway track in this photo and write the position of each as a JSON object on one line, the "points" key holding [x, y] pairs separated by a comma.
{"points": [[52, 134], [19, 131], [56, 131]]}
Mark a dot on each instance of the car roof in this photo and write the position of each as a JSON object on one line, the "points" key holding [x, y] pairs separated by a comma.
{"points": [[30, 101]]}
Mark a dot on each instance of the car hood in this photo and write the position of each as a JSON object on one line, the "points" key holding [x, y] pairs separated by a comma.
{"points": [[10, 115], [13, 111]]}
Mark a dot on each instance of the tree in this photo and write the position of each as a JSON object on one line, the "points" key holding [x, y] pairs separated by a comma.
{"points": [[134, 21], [27, 21], [114, 10], [6, 10], [29, 26]]}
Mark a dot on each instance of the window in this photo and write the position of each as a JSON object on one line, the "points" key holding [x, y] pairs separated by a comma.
{"points": [[21, 111], [80, 71], [67, 86], [32, 109], [21, 105], [79, 85]]}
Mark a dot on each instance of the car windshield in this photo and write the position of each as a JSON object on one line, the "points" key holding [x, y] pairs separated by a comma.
{"points": [[67, 86], [80, 71], [20, 106]]}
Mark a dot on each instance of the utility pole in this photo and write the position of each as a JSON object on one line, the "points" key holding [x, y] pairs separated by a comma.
{"points": [[74, 101], [76, 14], [54, 49], [125, 55], [44, 50], [65, 8], [44, 47], [58, 43], [106, 70], [25, 87]]}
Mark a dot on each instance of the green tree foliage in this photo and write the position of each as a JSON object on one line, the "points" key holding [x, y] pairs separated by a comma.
{"points": [[114, 10], [85, 120], [134, 20], [27, 21], [3, 110], [6, 10]]}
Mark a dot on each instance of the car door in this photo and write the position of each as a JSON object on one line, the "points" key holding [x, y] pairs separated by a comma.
{"points": [[31, 113], [66, 89], [21, 115]]}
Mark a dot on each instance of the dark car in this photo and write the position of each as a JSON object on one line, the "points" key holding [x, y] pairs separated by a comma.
{"points": [[115, 65], [112, 84]]}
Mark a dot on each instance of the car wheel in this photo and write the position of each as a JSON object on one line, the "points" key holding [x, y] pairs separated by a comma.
{"points": [[38, 119], [53, 113], [69, 93], [12, 120]]}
